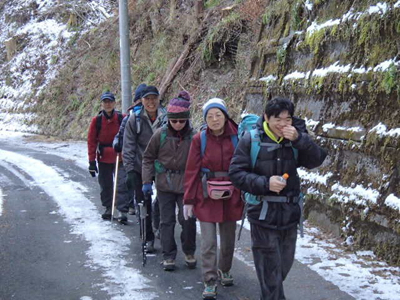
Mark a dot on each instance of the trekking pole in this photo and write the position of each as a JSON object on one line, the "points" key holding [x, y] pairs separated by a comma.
{"points": [[142, 216], [114, 200]]}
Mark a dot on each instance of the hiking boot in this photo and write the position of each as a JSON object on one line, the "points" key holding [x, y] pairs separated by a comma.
{"points": [[225, 278], [107, 214], [123, 218], [168, 264], [131, 211], [210, 290], [190, 261], [150, 246]]}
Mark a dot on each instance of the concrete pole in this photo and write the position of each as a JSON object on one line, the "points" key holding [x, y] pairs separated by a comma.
{"points": [[124, 45]]}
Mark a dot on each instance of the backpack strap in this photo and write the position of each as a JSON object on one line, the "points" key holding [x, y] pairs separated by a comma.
{"points": [[137, 118], [235, 140], [163, 135], [99, 118], [255, 146], [120, 117], [203, 140]]}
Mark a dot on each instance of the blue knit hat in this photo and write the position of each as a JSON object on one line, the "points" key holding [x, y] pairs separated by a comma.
{"points": [[215, 103], [107, 95]]}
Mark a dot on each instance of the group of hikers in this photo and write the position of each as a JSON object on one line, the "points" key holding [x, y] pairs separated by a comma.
{"points": [[214, 176]]}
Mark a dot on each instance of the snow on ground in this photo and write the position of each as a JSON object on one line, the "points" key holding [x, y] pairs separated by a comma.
{"points": [[359, 274], [109, 247], [1, 202]]}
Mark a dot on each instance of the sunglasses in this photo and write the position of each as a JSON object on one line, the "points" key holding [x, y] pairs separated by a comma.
{"points": [[178, 121]]}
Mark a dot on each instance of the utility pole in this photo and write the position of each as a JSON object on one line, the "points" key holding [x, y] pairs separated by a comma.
{"points": [[124, 45]]}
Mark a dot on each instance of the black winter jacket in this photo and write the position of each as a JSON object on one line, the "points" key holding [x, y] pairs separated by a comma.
{"points": [[270, 163]]}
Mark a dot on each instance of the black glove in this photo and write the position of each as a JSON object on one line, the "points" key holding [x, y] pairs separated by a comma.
{"points": [[117, 147], [93, 168], [130, 180]]}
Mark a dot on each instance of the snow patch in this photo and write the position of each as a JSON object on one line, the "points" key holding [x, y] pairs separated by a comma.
{"points": [[309, 5], [357, 194], [269, 78], [1, 202], [108, 246], [393, 202], [381, 130]]}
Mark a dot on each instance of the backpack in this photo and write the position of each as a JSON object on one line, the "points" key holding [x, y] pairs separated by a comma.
{"points": [[255, 149], [137, 110], [99, 118]]}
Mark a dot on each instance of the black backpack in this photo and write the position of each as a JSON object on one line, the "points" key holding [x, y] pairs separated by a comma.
{"points": [[99, 117]]}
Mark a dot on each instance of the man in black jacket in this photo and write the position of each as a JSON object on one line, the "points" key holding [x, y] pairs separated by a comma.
{"points": [[285, 146]]}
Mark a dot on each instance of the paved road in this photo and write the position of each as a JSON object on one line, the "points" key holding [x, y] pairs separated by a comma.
{"points": [[42, 258]]}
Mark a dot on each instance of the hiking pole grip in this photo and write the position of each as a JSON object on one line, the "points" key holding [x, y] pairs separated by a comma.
{"points": [[115, 187]]}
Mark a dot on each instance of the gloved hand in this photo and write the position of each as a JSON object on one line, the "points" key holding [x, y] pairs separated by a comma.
{"points": [[93, 168], [117, 147], [130, 180], [147, 188], [188, 211]]}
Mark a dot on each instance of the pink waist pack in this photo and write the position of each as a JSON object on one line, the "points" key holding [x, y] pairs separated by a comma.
{"points": [[220, 190]]}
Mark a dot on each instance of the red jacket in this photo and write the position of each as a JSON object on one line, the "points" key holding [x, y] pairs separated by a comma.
{"points": [[217, 157], [103, 140]]}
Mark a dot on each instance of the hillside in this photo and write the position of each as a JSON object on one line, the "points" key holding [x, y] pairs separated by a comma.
{"points": [[337, 60]]}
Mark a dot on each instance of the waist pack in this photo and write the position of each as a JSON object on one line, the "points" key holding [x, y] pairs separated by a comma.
{"points": [[220, 190]]}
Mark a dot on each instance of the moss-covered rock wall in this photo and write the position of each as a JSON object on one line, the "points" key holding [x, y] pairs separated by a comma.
{"points": [[339, 62]]}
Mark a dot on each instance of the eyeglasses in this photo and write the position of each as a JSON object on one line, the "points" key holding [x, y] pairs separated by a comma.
{"points": [[178, 121]]}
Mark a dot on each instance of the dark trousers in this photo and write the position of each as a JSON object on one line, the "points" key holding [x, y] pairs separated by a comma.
{"points": [[273, 252], [106, 182], [147, 201], [168, 203]]}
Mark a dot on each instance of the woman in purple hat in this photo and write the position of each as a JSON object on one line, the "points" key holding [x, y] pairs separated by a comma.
{"points": [[165, 159]]}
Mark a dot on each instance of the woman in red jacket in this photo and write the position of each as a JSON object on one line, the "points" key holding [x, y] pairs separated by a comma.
{"points": [[207, 166]]}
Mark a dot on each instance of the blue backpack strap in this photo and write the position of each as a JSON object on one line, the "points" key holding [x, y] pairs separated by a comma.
{"points": [[235, 140], [203, 140], [255, 146], [137, 110]]}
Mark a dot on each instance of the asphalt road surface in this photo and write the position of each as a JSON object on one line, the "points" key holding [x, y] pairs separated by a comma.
{"points": [[41, 258]]}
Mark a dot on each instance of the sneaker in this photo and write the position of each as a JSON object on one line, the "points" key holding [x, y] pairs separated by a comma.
{"points": [[210, 290], [123, 218], [225, 278], [190, 261], [131, 211], [150, 246], [168, 264], [107, 214]]}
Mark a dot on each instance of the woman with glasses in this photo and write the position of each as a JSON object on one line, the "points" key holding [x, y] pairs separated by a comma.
{"points": [[211, 197], [165, 159]]}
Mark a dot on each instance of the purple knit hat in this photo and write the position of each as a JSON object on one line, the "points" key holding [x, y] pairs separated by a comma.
{"points": [[179, 107]]}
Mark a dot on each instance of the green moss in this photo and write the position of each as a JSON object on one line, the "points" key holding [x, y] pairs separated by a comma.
{"points": [[212, 3], [220, 34], [316, 39], [390, 79], [297, 16], [281, 55]]}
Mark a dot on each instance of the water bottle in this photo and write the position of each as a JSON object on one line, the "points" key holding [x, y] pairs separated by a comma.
{"points": [[284, 177]]}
